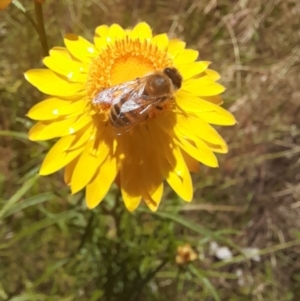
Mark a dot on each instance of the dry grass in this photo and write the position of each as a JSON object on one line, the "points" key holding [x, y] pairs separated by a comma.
{"points": [[254, 44]]}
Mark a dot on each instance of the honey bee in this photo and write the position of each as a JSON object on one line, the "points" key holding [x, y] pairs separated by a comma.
{"points": [[135, 101]]}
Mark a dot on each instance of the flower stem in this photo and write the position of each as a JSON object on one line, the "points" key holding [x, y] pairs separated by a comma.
{"points": [[41, 27], [141, 285]]}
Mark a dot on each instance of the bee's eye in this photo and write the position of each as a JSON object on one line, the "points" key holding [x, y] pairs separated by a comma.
{"points": [[168, 71], [175, 77]]}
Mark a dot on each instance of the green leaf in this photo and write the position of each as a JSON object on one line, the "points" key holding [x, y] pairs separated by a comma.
{"points": [[18, 195], [204, 282], [206, 234], [31, 173], [20, 136], [46, 222], [34, 200], [50, 271], [12, 134], [97, 295]]}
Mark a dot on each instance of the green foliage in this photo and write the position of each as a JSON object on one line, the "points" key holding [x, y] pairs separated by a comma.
{"points": [[110, 253]]}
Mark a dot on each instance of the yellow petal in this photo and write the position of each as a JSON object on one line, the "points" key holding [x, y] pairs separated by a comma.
{"points": [[189, 70], [175, 160], [203, 86], [98, 188], [222, 149], [77, 125], [161, 40], [101, 42], [50, 83], [100, 36], [131, 201], [69, 171], [150, 171], [216, 99], [188, 140], [186, 56], [60, 53], [203, 109], [59, 156], [175, 47], [115, 32], [141, 31], [180, 180], [88, 163], [214, 75], [53, 108], [72, 70], [80, 48], [102, 30], [171, 163], [130, 177], [153, 200], [131, 187], [83, 136], [192, 164], [4, 4], [184, 188], [218, 117], [200, 152], [46, 130], [194, 128]]}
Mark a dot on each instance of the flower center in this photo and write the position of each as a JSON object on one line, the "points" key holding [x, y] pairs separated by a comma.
{"points": [[122, 61]]}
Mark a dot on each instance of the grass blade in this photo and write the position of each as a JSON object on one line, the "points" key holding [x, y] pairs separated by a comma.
{"points": [[18, 195], [205, 282], [46, 222], [34, 200]]}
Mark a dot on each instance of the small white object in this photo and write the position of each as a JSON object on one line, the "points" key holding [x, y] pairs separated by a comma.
{"points": [[213, 247], [223, 253], [253, 253], [239, 273]]}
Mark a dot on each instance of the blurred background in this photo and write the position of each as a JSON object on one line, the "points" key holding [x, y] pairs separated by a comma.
{"points": [[53, 248]]}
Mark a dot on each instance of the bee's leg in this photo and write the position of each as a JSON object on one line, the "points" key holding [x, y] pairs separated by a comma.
{"points": [[146, 118]]}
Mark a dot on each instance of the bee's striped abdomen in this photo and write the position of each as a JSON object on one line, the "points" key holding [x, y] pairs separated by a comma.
{"points": [[120, 119]]}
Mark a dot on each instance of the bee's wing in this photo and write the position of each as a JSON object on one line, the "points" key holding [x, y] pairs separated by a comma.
{"points": [[115, 94], [139, 103], [140, 106]]}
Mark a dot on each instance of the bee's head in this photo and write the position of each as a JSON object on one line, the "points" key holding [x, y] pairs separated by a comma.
{"points": [[174, 76], [158, 85]]}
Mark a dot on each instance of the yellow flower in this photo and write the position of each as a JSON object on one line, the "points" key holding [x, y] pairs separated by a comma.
{"points": [[4, 4], [185, 254], [166, 147]]}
